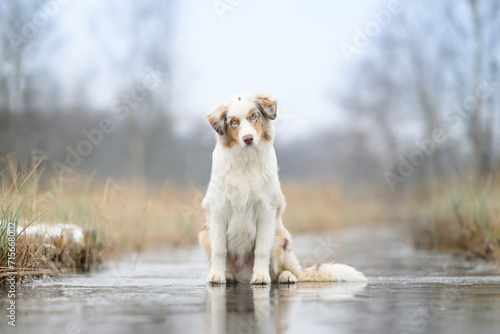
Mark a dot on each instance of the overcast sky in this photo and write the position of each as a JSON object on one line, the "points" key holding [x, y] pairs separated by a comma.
{"points": [[288, 48]]}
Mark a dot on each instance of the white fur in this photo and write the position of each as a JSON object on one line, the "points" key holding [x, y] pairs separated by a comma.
{"points": [[331, 272], [346, 273]]}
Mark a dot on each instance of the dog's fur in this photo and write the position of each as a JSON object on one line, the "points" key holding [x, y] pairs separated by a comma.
{"points": [[244, 236]]}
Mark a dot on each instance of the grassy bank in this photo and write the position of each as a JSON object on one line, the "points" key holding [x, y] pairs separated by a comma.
{"points": [[24, 254], [463, 218]]}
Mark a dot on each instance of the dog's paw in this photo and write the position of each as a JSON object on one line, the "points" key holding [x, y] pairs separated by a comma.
{"points": [[216, 278], [287, 277], [261, 279]]}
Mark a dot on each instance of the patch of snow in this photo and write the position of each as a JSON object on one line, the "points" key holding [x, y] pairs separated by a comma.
{"points": [[53, 230]]}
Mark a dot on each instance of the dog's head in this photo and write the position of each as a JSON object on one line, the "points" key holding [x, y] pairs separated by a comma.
{"points": [[245, 119]]}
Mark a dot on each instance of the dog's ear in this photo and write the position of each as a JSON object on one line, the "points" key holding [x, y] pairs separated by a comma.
{"points": [[217, 119], [267, 104]]}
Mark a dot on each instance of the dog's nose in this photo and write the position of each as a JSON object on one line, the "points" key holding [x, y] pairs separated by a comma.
{"points": [[248, 139]]}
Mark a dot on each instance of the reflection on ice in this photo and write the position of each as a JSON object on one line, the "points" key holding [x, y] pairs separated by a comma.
{"points": [[241, 308], [165, 292], [244, 308]]}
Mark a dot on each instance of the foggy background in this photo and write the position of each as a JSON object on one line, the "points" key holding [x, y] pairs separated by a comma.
{"points": [[371, 94]]}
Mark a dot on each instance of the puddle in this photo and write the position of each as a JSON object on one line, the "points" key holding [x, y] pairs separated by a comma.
{"points": [[408, 292]]}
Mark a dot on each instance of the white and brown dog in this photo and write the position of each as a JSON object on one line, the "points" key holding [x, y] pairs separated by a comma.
{"points": [[244, 236]]}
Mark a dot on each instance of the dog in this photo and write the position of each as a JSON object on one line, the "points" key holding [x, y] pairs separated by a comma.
{"points": [[244, 236]]}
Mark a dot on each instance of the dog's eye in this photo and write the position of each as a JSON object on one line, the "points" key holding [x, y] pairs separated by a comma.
{"points": [[233, 121], [253, 117]]}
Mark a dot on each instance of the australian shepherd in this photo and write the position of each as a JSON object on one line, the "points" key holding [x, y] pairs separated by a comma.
{"points": [[244, 236]]}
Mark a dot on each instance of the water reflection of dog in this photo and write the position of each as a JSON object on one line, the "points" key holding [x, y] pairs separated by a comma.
{"points": [[243, 308]]}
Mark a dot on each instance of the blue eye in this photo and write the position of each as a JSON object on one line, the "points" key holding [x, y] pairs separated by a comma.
{"points": [[253, 117], [233, 121]]}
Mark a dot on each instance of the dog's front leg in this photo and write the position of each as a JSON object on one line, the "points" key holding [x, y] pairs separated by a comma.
{"points": [[218, 242], [263, 246]]}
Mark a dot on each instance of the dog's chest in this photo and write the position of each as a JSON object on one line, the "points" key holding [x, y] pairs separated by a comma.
{"points": [[243, 191], [246, 196], [242, 226]]}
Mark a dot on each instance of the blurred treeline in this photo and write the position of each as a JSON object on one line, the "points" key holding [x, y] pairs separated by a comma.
{"points": [[41, 116], [428, 87], [419, 74]]}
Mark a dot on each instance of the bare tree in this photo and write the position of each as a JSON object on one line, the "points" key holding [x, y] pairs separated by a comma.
{"points": [[17, 30]]}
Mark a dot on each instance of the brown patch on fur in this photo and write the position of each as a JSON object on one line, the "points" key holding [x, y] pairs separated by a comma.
{"points": [[217, 119], [239, 98], [266, 136], [281, 247], [317, 266], [267, 105], [231, 137], [260, 124], [285, 245]]}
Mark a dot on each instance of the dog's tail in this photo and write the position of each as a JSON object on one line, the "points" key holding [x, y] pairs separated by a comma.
{"points": [[330, 272]]}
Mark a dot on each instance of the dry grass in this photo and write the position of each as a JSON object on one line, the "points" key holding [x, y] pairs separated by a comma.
{"points": [[464, 218], [133, 217], [23, 255], [314, 207], [121, 217], [137, 217]]}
